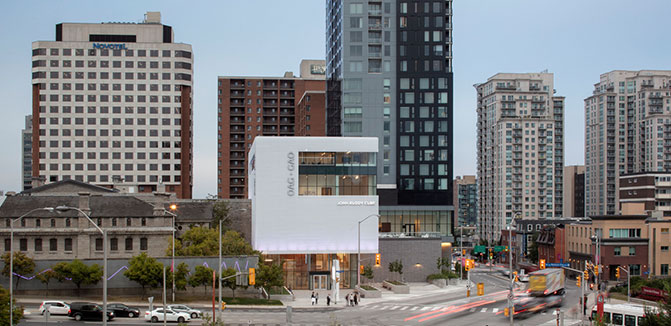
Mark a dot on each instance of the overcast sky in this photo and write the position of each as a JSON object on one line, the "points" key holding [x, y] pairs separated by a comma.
{"points": [[575, 39]]}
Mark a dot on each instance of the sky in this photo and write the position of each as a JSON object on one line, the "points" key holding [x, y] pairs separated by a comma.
{"points": [[577, 40]]}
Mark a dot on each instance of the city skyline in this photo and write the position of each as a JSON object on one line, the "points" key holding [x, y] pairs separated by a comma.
{"points": [[576, 52]]}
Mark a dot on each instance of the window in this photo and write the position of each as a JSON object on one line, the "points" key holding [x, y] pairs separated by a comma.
{"points": [[143, 243], [665, 248], [99, 244], [38, 244], [53, 223], [114, 244], [38, 223], [144, 222], [53, 244], [632, 251], [23, 244], [665, 230], [635, 269], [68, 244], [128, 221], [664, 269], [129, 244], [617, 251]]}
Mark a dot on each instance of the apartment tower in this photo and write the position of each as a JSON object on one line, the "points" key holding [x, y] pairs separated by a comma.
{"points": [[264, 106], [465, 200], [627, 130], [112, 104], [26, 154], [520, 150], [389, 75]]}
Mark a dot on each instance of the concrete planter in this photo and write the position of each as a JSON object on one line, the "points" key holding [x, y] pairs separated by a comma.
{"points": [[453, 281], [369, 293], [397, 289], [441, 282]]}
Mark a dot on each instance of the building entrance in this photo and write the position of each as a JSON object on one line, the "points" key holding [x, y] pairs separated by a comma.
{"points": [[320, 282]]}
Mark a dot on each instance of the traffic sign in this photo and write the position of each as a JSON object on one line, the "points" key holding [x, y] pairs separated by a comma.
{"points": [[479, 249], [498, 248], [510, 296], [557, 265]]}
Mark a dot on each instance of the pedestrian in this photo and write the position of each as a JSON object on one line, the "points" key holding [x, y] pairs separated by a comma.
{"points": [[317, 298], [356, 298], [347, 299], [328, 299], [312, 298], [351, 299]]}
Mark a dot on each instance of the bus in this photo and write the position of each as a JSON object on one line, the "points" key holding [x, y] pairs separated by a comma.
{"points": [[622, 314]]}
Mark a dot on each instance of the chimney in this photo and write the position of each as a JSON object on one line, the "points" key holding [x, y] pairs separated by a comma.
{"points": [[38, 181], [84, 200], [160, 199]]}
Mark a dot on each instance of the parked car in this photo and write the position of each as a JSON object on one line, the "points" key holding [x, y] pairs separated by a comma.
{"points": [[194, 313], [88, 311], [55, 307], [122, 310], [170, 315]]}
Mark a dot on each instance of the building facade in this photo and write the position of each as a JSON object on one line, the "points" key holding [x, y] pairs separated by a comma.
{"points": [[574, 191], [627, 128], [26, 153], [552, 244], [264, 106], [651, 189], [520, 150], [389, 75], [112, 103], [465, 200], [314, 202]]}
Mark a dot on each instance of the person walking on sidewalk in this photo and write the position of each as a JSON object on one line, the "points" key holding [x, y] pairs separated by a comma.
{"points": [[347, 299], [317, 298], [312, 298], [356, 298], [328, 300]]}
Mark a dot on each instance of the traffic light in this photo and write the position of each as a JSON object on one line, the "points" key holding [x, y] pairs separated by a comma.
{"points": [[506, 248], [361, 268], [252, 276], [596, 270], [463, 252], [577, 281], [586, 274], [377, 259], [617, 272], [515, 276], [542, 264]]}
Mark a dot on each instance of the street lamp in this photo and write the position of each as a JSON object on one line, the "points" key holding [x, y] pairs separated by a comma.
{"points": [[68, 208], [221, 224], [173, 207], [597, 260], [11, 259], [510, 264], [358, 256]]}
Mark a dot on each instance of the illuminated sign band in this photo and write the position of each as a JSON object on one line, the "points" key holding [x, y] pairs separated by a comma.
{"points": [[356, 203], [110, 46]]}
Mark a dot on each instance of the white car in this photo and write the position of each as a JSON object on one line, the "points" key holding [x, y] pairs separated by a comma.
{"points": [[55, 307], [157, 315], [194, 313]]}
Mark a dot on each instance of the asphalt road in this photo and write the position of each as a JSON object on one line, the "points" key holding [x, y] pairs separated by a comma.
{"points": [[451, 309]]}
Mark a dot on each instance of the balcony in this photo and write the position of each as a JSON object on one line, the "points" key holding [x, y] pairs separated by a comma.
{"points": [[507, 87]]}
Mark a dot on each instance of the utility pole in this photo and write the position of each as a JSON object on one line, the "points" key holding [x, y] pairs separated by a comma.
{"points": [[461, 253]]}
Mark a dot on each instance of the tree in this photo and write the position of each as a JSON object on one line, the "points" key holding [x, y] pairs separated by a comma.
{"points": [[180, 276], [78, 273], [661, 317], [533, 250], [232, 282], [268, 276], [368, 272], [45, 277], [442, 263], [202, 276], [203, 241], [220, 212], [23, 265], [396, 266], [146, 271], [4, 309]]}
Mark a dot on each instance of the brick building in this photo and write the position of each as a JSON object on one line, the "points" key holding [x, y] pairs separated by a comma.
{"points": [[551, 244]]}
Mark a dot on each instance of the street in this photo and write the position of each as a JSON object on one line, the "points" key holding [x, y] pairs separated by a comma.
{"points": [[453, 309]]}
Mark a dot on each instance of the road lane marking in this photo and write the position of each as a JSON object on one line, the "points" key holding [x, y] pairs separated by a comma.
{"points": [[495, 310], [414, 308], [483, 310], [425, 308], [458, 309], [426, 313], [394, 308], [404, 308]]}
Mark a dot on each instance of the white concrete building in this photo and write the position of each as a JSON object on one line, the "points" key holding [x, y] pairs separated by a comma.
{"points": [[112, 103], [520, 150], [308, 195]]}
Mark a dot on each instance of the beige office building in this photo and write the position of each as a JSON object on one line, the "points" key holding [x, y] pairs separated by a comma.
{"points": [[627, 130], [520, 150]]}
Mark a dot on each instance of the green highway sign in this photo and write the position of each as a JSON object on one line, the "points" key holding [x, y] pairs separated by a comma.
{"points": [[479, 249], [498, 248]]}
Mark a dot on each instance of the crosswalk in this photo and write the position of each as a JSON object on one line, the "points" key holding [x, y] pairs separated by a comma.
{"points": [[420, 308]]}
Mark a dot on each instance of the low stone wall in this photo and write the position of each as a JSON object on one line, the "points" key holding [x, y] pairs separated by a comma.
{"points": [[118, 283]]}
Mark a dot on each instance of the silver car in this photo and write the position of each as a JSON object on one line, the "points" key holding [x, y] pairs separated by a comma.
{"points": [[194, 313], [55, 307]]}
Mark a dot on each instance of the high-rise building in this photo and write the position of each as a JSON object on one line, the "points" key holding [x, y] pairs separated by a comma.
{"points": [[26, 153], [264, 106], [389, 75], [520, 150], [627, 130], [465, 200], [112, 103], [574, 191]]}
